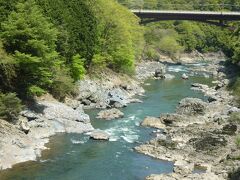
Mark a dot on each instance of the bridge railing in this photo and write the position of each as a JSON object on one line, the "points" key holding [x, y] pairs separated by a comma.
{"points": [[158, 5]]}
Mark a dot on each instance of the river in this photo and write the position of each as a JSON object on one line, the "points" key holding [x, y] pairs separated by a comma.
{"points": [[76, 157]]}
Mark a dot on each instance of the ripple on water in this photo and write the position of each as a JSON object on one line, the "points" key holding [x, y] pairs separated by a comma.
{"points": [[177, 68]]}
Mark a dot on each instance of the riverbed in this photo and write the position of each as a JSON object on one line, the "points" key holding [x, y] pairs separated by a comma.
{"points": [[74, 156]]}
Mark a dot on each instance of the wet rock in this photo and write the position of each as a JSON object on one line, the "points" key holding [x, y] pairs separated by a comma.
{"points": [[153, 122], [159, 73], [184, 76], [99, 135], [110, 114], [191, 106]]}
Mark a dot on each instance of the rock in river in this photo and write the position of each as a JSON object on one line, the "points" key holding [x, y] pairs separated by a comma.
{"points": [[153, 122], [110, 114], [99, 135]]}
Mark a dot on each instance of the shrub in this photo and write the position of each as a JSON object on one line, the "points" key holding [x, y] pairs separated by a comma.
{"points": [[170, 46], [152, 54], [235, 117], [10, 106], [62, 85], [35, 91], [77, 67]]}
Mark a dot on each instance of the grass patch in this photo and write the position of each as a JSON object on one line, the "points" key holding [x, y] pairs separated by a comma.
{"points": [[235, 117]]}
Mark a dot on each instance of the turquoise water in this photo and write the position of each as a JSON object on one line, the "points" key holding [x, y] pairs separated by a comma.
{"points": [[76, 157]]}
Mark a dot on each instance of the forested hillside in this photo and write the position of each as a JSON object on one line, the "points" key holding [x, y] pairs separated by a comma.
{"points": [[173, 37], [46, 46]]}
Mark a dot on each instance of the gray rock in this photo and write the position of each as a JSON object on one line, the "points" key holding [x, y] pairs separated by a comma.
{"points": [[99, 135], [159, 73], [191, 106], [184, 76], [57, 110], [73, 103], [147, 69], [23, 124], [153, 122], [183, 168], [171, 119], [233, 110], [110, 114], [30, 115]]}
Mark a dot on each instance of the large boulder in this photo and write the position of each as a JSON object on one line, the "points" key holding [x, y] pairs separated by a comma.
{"points": [[171, 119], [153, 122], [99, 135], [57, 117], [117, 98], [159, 73], [110, 114], [191, 106], [57, 110], [23, 124]]}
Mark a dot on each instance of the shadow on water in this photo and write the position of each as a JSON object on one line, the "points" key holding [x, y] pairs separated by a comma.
{"points": [[74, 156]]}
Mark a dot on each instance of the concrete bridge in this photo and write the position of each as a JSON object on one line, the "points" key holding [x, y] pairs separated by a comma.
{"points": [[211, 17]]}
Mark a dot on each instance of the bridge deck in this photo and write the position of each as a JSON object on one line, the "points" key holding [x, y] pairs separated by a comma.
{"points": [[187, 15]]}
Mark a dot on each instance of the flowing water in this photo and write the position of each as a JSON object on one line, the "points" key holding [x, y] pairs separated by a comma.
{"points": [[76, 157]]}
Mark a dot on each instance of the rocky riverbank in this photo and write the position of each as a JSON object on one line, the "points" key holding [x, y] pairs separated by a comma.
{"points": [[25, 140], [193, 57], [199, 136], [46, 117]]}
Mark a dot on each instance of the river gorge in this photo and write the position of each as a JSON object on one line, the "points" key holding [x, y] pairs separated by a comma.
{"points": [[76, 156]]}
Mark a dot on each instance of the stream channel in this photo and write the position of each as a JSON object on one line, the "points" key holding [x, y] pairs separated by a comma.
{"points": [[76, 157]]}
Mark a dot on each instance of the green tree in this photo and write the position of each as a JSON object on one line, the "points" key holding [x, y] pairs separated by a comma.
{"points": [[7, 70], [10, 107], [77, 67], [77, 26], [31, 39], [170, 46]]}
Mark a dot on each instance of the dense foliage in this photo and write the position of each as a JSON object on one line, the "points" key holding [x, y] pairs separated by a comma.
{"points": [[46, 46], [10, 106], [186, 34], [44, 42]]}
